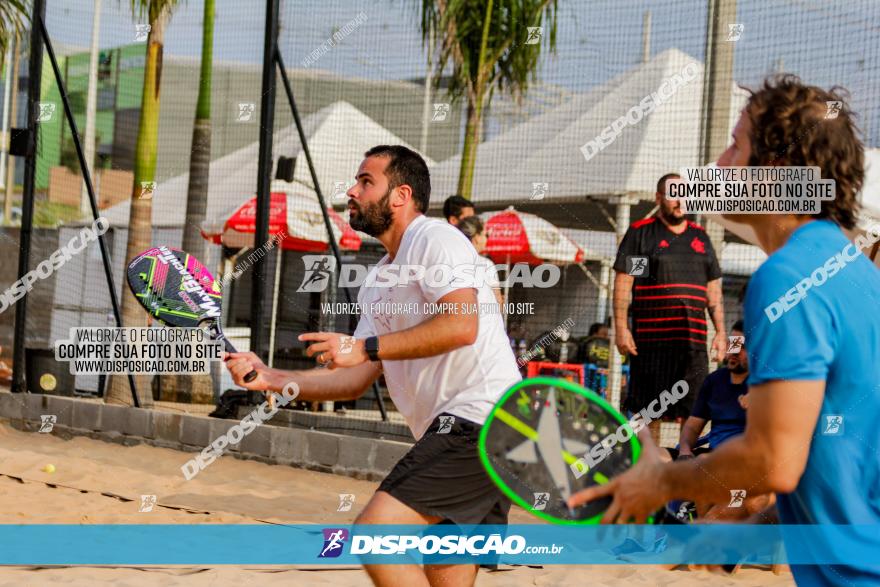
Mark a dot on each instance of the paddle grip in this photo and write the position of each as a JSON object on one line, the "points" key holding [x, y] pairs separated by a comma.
{"points": [[231, 349]]}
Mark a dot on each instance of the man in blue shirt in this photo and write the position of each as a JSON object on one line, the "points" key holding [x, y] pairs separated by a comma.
{"points": [[812, 321], [720, 401]]}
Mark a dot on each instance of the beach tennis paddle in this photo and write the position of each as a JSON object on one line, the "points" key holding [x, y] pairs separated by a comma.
{"points": [[535, 433], [176, 289]]}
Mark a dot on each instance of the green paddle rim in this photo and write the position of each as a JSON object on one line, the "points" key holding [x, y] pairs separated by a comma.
{"points": [[570, 386]]}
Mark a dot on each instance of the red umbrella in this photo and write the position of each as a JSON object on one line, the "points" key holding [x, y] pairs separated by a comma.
{"points": [[518, 237], [295, 214]]}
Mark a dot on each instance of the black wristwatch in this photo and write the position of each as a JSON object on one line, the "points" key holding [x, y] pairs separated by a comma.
{"points": [[371, 345]]}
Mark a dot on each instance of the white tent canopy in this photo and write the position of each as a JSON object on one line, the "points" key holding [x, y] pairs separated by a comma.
{"points": [[337, 135], [548, 147]]}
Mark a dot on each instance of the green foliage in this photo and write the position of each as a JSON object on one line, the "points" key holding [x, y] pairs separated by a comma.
{"points": [[150, 9], [69, 159], [14, 17], [508, 64], [51, 214], [489, 47]]}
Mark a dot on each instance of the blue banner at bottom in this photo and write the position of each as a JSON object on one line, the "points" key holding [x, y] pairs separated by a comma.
{"points": [[219, 544]]}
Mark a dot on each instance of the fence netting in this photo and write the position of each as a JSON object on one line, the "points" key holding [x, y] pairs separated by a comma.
{"points": [[363, 74]]}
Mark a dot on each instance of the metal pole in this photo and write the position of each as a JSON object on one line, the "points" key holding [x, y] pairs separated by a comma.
{"points": [[91, 103], [622, 217], [4, 126], [264, 173], [35, 70], [604, 288], [87, 178], [426, 105], [275, 291], [13, 116], [717, 84], [321, 202]]}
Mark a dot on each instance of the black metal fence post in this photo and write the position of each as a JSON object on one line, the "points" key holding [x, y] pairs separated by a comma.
{"points": [[35, 69]]}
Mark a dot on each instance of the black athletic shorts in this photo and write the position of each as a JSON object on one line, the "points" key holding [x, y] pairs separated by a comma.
{"points": [[700, 450], [653, 371], [442, 476]]}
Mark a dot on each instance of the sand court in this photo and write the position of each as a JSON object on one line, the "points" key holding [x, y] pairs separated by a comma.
{"points": [[96, 482]]}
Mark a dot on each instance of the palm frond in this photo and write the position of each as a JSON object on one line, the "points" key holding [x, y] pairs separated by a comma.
{"points": [[151, 9], [512, 64], [14, 19]]}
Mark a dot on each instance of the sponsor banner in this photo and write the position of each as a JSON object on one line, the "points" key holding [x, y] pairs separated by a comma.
{"points": [[215, 544]]}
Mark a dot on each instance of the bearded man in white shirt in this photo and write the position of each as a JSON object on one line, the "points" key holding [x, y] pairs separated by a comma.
{"points": [[444, 370]]}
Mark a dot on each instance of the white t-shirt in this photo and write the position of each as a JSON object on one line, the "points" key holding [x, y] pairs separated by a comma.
{"points": [[491, 273], [465, 382]]}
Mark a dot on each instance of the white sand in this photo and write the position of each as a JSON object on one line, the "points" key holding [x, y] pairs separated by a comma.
{"points": [[100, 483]]}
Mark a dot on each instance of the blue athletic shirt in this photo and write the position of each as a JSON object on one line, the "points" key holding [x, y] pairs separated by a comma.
{"points": [[831, 334], [718, 401]]}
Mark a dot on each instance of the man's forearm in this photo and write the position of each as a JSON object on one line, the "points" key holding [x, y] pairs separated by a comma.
{"points": [[325, 384], [441, 334], [735, 465], [621, 299], [715, 304], [689, 436]]}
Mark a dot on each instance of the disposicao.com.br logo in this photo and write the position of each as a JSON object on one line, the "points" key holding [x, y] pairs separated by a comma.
{"points": [[451, 544]]}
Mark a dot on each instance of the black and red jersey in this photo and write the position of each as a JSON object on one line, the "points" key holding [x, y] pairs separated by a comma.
{"points": [[669, 297]]}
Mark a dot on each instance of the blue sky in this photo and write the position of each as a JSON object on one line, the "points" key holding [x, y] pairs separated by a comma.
{"points": [[825, 42]]}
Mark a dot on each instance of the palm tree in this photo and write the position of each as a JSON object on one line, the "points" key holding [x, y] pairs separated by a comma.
{"points": [[200, 156], [491, 47], [199, 387], [140, 230], [14, 16]]}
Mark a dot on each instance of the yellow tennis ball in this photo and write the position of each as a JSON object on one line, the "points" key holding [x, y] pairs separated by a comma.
{"points": [[50, 468]]}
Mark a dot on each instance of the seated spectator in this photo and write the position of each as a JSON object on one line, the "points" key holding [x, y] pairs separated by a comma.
{"points": [[720, 401], [595, 348], [456, 208], [723, 401]]}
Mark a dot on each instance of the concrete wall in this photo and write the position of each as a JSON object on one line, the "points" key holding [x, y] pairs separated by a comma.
{"points": [[361, 458]]}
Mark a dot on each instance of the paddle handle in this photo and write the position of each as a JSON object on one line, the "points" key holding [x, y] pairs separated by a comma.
{"points": [[217, 334], [250, 376], [231, 349]]}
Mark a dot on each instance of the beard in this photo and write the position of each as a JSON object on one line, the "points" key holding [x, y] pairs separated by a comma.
{"points": [[739, 369], [373, 219], [668, 216]]}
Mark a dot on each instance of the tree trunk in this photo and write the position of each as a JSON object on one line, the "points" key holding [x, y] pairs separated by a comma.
{"points": [[475, 112], [198, 388], [469, 151], [140, 229]]}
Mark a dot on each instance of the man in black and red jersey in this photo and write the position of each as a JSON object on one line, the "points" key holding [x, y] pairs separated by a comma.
{"points": [[668, 275]]}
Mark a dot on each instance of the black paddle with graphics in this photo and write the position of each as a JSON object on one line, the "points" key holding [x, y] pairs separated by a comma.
{"points": [[176, 289]]}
